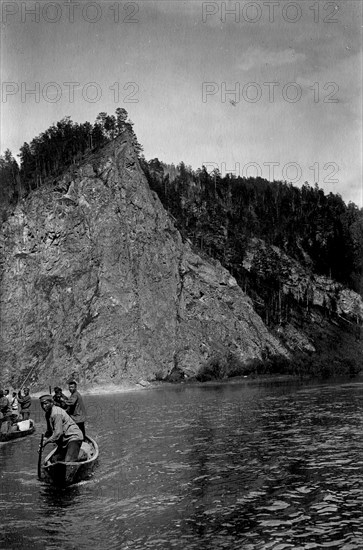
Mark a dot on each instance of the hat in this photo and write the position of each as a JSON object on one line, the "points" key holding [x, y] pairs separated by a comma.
{"points": [[46, 397]]}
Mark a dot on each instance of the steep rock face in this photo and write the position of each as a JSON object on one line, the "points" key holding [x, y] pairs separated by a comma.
{"points": [[96, 282], [333, 314], [302, 283]]}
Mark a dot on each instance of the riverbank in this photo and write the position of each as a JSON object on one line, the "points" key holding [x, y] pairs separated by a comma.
{"points": [[247, 380], [109, 389], [273, 379], [100, 389]]}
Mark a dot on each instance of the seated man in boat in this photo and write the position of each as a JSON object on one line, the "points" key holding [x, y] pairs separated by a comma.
{"points": [[62, 430], [59, 398], [75, 406], [25, 404]]}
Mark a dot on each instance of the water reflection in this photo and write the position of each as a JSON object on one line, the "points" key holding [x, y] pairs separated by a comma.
{"points": [[55, 500]]}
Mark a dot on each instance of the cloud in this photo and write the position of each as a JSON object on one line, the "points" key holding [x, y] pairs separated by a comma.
{"points": [[258, 57]]}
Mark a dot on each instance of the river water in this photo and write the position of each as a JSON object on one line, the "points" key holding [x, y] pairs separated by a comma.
{"points": [[225, 466]]}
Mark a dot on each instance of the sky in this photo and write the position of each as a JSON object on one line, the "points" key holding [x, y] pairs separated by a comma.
{"points": [[270, 87]]}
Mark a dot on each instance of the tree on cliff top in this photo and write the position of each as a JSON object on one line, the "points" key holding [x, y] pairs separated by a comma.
{"points": [[65, 142], [10, 187]]}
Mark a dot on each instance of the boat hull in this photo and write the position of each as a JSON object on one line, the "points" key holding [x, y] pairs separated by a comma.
{"points": [[67, 473], [10, 436]]}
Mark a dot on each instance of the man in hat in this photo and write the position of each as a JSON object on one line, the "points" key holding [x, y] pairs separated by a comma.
{"points": [[75, 406], [62, 430]]}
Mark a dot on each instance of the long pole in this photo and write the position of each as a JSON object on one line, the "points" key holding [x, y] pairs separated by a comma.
{"points": [[40, 457], [27, 376]]}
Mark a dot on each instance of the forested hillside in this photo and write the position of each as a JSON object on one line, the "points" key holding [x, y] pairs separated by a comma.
{"points": [[296, 252], [222, 214], [293, 250]]}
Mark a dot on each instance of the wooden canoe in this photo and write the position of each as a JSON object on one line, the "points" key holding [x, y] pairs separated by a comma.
{"points": [[66, 473], [12, 434]]}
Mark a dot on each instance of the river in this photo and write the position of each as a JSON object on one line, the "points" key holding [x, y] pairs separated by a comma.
{"points": [[224, 466]]}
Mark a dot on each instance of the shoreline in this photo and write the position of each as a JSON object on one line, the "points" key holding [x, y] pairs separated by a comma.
{"points": [[238, 380], [100, 389], [110, 389]]}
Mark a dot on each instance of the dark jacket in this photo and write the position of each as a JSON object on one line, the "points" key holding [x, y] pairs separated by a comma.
{"points": [[25, 402], [76, 408], [4, 406]]}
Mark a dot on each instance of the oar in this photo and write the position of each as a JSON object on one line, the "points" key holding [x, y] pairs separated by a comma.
{"points": [[40, 457]]}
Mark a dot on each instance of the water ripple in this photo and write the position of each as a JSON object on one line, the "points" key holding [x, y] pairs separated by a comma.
{"points": [[199, 468]]}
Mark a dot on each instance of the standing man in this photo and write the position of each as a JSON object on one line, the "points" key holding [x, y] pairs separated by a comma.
{"points": [[75, 406], [4, 403], [25, 404], [5, 410], [62, 430]]}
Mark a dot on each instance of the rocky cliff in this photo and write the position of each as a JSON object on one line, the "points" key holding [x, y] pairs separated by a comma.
{"points": [[96, 282], [313, 314], [302, 283]]}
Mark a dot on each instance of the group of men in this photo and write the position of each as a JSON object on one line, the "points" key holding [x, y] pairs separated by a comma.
{"points": [[65, 418], [9, 406]]}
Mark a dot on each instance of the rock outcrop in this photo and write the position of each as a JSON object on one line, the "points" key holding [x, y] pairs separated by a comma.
{"points": [[332, 314], [97, 282], [302, 283]]}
